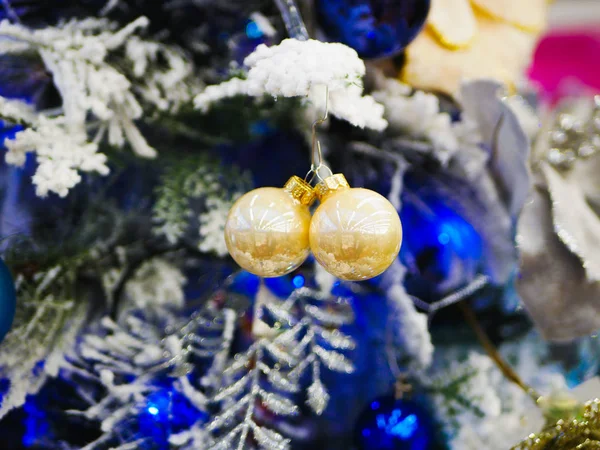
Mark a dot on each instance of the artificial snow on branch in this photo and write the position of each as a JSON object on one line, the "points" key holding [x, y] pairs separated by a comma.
{"points": [[106, 78], [417, 114], [194, 198], [46, 325], [478, 407], [305, 69]]}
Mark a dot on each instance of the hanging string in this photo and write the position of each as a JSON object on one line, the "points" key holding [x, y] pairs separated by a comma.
{"points": [[316, 154], [297, 30]]}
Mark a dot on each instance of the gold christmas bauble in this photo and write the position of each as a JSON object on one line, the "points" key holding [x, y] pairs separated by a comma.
{"points": [[355, 234], [267, 229]]}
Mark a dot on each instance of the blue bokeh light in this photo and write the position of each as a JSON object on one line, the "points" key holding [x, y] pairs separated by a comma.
{"points": [[253, 31], [394, 424], [298, 281], [36, 422], [397, 425]]}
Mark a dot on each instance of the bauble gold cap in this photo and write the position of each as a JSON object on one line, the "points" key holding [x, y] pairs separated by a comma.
{"points": [[300, 190], [331, 184]]}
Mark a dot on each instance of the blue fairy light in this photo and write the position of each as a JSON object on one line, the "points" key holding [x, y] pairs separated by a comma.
{"points": [[166, 412], [298, 281], [253, 31], [394, 424]]}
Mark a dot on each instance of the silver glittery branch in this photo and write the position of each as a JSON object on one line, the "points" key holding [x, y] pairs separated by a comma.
{"points": [[321, 341], [241, 394], [126, 358], [295, 335]]}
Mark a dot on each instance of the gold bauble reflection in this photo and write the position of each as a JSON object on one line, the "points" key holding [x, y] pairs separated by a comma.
{"points": [[267, 232], [355, 234]]}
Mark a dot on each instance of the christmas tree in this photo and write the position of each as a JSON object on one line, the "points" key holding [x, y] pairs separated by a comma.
{"points": [[328, 224]]}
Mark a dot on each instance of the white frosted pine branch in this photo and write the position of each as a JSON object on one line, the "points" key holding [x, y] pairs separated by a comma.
{"points": [[98, 96], [40, 335], [306, 69], [410, 325]]}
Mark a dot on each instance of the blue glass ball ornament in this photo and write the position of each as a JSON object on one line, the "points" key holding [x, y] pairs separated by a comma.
{"points": [[443, 252], [374, 28], [388, 423], [8, 300]]}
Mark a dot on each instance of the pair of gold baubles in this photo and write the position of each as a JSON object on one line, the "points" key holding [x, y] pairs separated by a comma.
{"points": [[355, 234]]}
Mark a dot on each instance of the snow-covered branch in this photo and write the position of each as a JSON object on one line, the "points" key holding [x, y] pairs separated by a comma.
{"points": [[106, 78], [305, 69]]}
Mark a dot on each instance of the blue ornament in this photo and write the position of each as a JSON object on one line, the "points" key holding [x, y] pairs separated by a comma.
{"points": [[8, 300], [394, 424], [374, 28], [443, 251]]}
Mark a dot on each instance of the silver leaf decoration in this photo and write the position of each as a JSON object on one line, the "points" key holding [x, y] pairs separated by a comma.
{"points": [[333, 360], [575, 223], [552, 283], [318, 397], [501, 130], [232, 389], [239, 362], [336, 338], [278, 404], [280, 354], [330, 317], [222, 419], [270, 439], [279, 381], [280, 313], [500, 181], [559, 242], [226, 442]]}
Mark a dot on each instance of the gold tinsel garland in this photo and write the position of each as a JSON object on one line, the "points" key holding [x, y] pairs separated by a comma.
{"points": [[579, 433]]}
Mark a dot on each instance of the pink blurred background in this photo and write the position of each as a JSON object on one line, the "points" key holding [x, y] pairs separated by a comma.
{"points": [[567, 59]]}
